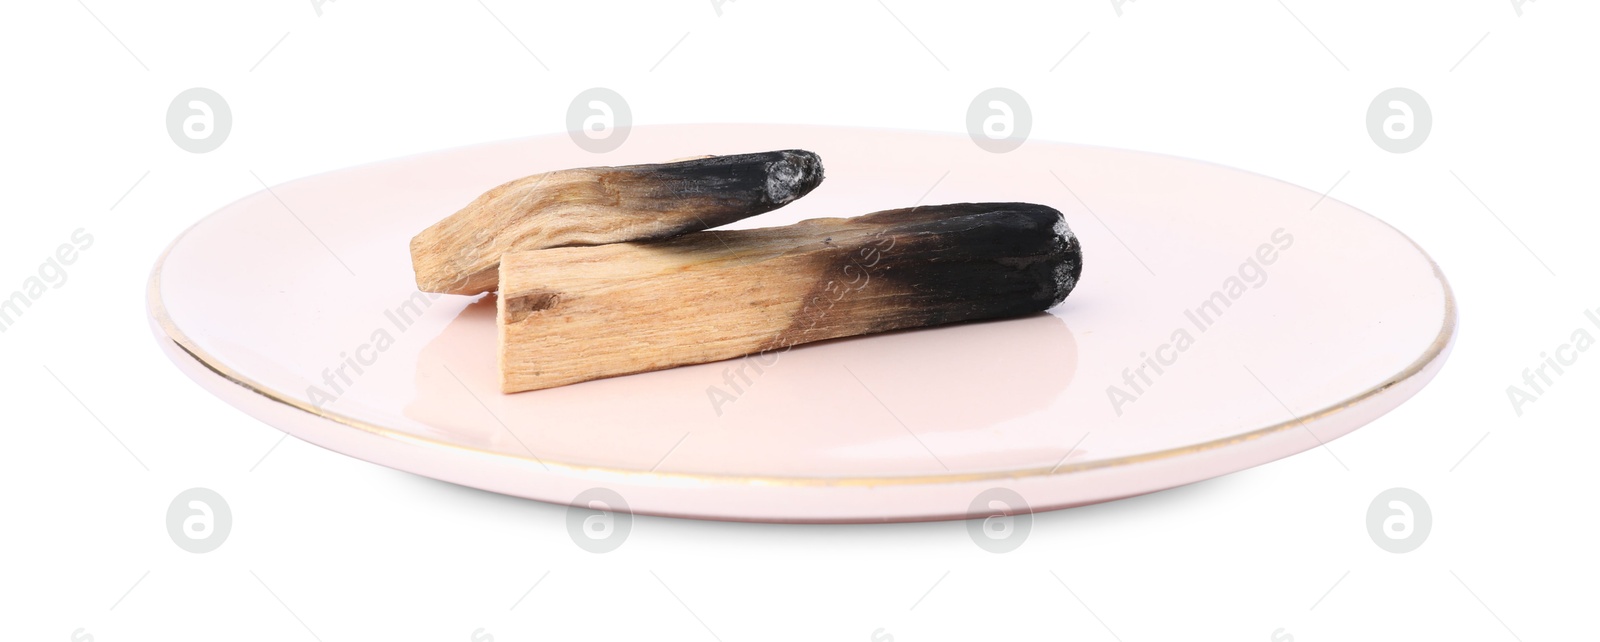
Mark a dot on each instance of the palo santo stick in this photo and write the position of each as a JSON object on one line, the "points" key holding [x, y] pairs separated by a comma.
{"points": [[573, 314], [598, 205]]}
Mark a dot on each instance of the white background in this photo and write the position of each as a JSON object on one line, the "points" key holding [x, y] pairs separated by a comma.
{"points": [[327, 547]]}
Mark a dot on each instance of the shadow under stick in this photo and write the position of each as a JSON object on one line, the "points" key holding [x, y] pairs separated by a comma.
{"points": [[573, 314], [598, 205]]}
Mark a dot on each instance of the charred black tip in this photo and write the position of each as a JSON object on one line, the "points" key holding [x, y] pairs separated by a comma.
{"points": [[1070, 262], [794, 174], [1060, 260], [1057, 256]]}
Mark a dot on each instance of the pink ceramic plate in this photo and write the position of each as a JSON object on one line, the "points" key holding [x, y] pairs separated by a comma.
{"points": [[1223, 320]]}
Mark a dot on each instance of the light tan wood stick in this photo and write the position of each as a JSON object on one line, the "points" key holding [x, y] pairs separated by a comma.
{"points": [[598, 205], [573, 314]]}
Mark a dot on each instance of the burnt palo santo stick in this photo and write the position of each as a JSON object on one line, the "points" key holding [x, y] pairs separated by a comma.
{"points": [[598, 205], [573, 314]]}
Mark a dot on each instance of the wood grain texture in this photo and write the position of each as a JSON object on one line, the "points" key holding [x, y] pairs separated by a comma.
{"points": [[573, 314], [598, 205]]}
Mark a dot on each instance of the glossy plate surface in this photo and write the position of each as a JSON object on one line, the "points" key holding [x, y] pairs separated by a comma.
{"points": [[1223, 320]]}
